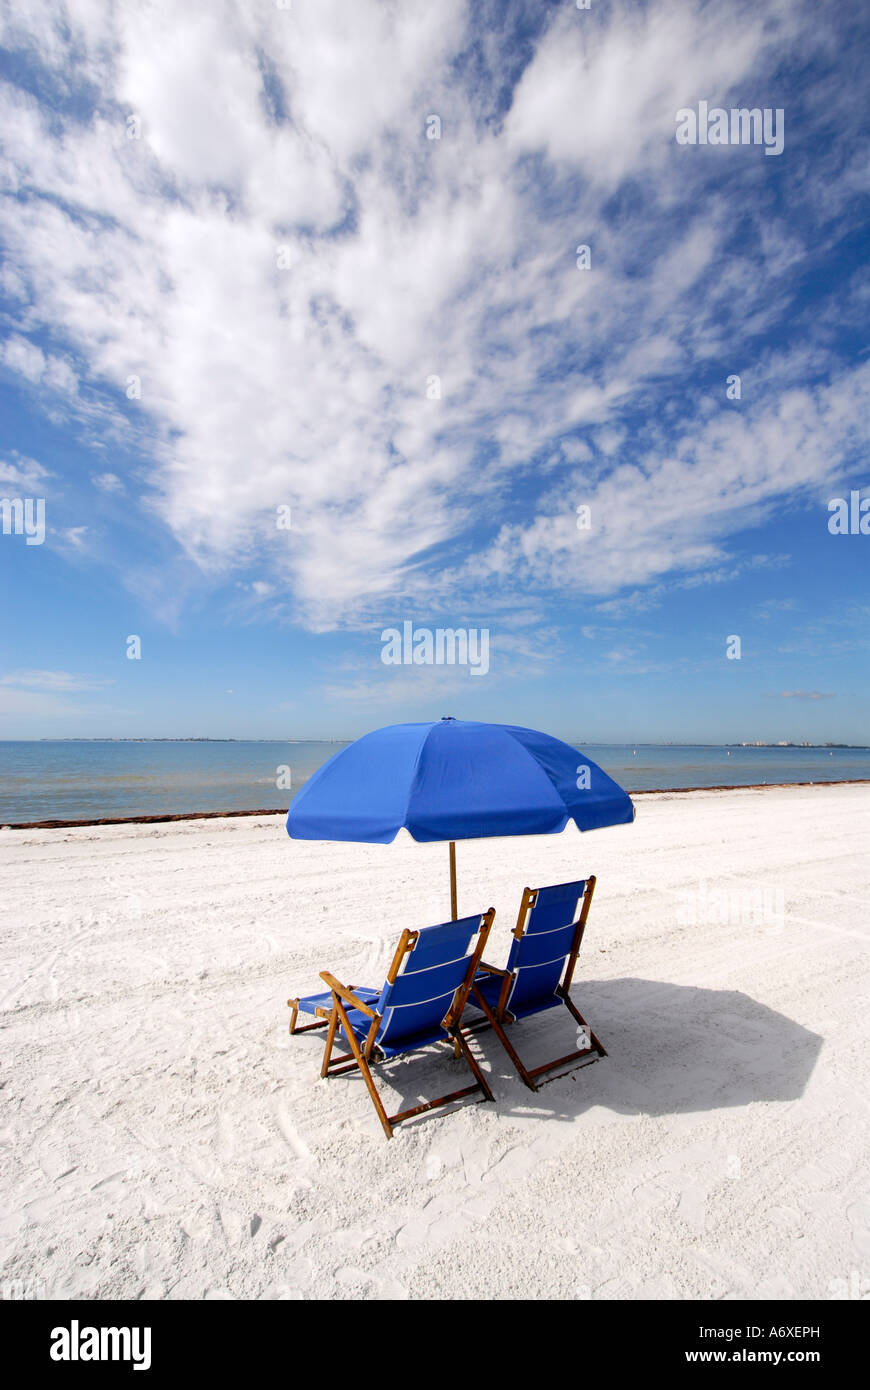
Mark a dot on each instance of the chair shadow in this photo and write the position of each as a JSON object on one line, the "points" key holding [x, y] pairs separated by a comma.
{"points": [[671, 1049]]}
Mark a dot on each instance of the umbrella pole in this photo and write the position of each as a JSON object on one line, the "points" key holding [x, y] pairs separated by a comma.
{"points": [[454, 911]]}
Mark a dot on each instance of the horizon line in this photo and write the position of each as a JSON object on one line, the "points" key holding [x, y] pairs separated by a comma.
{"points": [[589, 743]]}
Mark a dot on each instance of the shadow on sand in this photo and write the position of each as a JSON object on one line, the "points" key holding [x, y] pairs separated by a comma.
{"points": [[671, 1049]]}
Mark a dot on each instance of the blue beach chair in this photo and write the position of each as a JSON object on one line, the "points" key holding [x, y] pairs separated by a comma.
{"points": [[421, 1003], [539, 971]]}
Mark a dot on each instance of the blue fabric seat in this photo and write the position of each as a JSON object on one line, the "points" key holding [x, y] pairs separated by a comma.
{"points": [[420, 1004], [320, 1007], [539, 969]]}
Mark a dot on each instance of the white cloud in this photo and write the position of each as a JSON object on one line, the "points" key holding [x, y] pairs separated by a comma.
{"points": [[24, 474], [23, 357], [408, 259], [75, 536], [664, 513], [603, 96], [37, 367], [107, 482]]}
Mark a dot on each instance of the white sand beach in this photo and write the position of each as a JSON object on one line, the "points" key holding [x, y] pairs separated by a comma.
{"points": [[164, 1137]]}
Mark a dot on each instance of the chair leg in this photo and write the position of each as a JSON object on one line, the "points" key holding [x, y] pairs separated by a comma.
{"points": [[523, 1074], [434, 1104], [480, 1082], [360, 1061], [306, 1027], [362, 1064], [330, 1039], [528, 1077], [572, 1058], [569, 1003], [460, 1044]]}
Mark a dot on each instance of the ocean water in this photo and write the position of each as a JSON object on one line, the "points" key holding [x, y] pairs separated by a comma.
{"points": [[84, 780]]}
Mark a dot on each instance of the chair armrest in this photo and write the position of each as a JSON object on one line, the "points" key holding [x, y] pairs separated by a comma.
{"points": [[492, 969], [347, 995]]}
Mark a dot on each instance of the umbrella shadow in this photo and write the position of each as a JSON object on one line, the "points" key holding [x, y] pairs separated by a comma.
{"points": [[671, 1049]]}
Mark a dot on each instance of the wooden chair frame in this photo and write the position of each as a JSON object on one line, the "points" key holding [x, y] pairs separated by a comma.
{"points": [[364, 1056], [500, 1017], [321, 1014]]}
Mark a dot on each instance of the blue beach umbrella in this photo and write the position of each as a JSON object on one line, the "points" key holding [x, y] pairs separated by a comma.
{"points": [[451, 780]]}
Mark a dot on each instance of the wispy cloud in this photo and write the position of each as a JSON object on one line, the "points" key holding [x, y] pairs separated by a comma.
{"points": [[59, 682], [74, 536], [774, 608], [806, 695], [641, 600], [107, 482]]}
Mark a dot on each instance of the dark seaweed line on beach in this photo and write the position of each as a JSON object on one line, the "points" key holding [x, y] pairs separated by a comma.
{"points": [[282, 810]]}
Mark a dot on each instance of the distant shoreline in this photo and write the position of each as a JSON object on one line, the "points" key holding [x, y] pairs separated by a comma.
{"points": [[585, 743], [194, 739], [166, 817]]}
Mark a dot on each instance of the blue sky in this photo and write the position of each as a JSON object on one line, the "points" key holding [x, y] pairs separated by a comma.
{"points": [[233, 263]]}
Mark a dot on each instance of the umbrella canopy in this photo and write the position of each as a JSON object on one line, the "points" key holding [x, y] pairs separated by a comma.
{"points": [[455, 780]]}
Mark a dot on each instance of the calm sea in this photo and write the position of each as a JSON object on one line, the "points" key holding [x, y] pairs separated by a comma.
{"points": [[90, 780]]}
